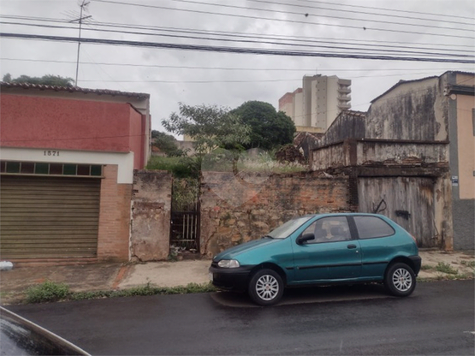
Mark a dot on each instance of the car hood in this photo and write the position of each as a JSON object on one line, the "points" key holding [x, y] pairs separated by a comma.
{"points": [[233, 252]]}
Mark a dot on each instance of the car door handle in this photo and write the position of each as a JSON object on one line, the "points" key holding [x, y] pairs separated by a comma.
{"points": [[351, 246]]}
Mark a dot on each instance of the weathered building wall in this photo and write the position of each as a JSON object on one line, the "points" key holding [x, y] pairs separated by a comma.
{"points": [[412, 110], [379, 152], [409, 179], [151, 204], [238, 209], [401, 152], [348, 124], [329, 157]]}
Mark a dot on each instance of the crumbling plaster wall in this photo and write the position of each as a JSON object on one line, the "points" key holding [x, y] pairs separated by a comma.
{"points": [[413, 110], [151, 204], [239, 209]]}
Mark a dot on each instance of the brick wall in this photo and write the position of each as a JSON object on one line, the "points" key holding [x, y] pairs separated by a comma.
{"points": [[239, 209], [151, 203], [114, 217]]}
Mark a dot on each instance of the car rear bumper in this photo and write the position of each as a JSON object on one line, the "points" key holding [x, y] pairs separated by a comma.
{"points": [[233, 279], [416, 261]]}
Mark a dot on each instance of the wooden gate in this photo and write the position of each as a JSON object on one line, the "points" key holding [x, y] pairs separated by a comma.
{"points": [[185, 215], [406, 200]]}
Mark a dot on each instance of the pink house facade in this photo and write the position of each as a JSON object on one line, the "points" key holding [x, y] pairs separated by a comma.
{"points": [[67, 161]]}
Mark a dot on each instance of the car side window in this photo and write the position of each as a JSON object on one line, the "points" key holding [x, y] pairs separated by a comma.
{"points": [[329, 229], [370, 227]]}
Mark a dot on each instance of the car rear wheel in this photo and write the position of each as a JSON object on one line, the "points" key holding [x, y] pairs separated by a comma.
{"points": [[266, 287], [400, 280]]}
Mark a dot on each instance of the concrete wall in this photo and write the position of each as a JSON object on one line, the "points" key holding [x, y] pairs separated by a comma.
{"points": [[348, 124], [413, 110], [409, 176], [151, 204], [239, 209]]}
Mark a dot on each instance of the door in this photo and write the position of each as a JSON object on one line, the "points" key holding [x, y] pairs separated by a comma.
{"points": [[331, 255], [409, 201]]}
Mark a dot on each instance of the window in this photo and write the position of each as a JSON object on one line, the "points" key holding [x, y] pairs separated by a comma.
{"points": [[371, 226], [329, 229], [32, 168]]}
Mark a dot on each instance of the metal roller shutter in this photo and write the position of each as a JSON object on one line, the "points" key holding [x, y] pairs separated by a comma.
{"points": [[48, 217]]}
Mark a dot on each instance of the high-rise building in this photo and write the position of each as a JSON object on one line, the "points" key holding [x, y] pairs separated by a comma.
{"points": [[314, 106]]}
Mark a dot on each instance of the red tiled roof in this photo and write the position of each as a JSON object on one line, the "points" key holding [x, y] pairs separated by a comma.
{"points": [[6, 85]]}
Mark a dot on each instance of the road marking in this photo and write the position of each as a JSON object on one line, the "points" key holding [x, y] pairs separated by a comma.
{"points": [[469, 332]]}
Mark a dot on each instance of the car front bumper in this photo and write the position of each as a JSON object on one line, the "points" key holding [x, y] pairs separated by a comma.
{"points": [[233, 279]]}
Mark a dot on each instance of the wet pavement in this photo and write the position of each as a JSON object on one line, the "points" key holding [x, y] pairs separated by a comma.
{"points": [[436, 319], [113, 276]]}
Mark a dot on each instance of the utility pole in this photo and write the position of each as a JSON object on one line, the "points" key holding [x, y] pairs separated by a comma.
{"points": [[82, 6]]}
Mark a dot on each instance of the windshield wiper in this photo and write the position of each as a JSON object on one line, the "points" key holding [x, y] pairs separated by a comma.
{"points": [[269, 236]]}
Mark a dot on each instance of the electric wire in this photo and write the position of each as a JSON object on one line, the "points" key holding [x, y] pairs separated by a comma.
{"points": [[307, 14], [222, 68], [254, 41], [282, 20], [366, 12], [246, 35], [223, 49]]}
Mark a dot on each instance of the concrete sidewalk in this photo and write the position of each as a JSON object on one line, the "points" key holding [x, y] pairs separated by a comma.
{"points": [[107, 276]]}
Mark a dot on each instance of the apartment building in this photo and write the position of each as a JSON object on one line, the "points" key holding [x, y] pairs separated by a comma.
{"points": [[316, 105]]}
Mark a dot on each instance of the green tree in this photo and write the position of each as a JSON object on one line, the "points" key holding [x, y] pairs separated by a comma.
{"points": [[49, 79], [270, 129], [166, 143], [210, 127]]}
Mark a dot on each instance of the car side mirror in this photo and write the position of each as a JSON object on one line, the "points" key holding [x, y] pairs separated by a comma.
{"points": [[304, 238]]}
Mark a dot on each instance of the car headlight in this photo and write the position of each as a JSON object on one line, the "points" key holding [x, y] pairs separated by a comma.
{"points": [[228, 264]]}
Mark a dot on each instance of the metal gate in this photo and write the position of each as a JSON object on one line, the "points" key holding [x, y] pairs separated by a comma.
{"points": [[185, 215]]}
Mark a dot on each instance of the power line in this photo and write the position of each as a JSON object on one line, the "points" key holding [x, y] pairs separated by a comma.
{"points": [[319, 15], [252, 41], [280, 20], [222, 68], [160, 81], [245, 35], [365, 12], [383, 9], [241, 50]]}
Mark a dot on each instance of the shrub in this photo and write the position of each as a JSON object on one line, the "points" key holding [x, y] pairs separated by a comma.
{"points": [[445, 268], [47, 292]]}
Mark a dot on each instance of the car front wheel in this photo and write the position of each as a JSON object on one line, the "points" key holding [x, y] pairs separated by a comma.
{"points": [[266, 287], [400, 280]]}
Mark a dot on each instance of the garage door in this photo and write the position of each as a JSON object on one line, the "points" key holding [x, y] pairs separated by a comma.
{"points": [[49, 217], [406, 200]]}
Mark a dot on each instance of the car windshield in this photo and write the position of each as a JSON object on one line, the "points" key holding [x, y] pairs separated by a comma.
{"points": [[284, 230]]}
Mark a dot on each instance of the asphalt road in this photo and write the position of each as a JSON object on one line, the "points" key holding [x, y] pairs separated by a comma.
{"points": [[437, 319]]}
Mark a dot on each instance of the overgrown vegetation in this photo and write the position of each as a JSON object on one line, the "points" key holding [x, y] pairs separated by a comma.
{"points": [[167, 144], [470, 264], [53, 292], [47, 292], [185, 194], [180, 167], [445, 268], [49, 79]]}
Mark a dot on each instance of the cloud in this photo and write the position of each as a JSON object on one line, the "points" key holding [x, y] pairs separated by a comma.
{"points": [[369, 77]]}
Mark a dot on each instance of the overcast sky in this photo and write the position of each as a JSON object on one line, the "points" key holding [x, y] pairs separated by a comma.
{"points": [[171, 76]]}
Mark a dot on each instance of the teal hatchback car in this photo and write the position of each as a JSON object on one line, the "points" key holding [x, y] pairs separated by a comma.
{"points": [[321, 249]]}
